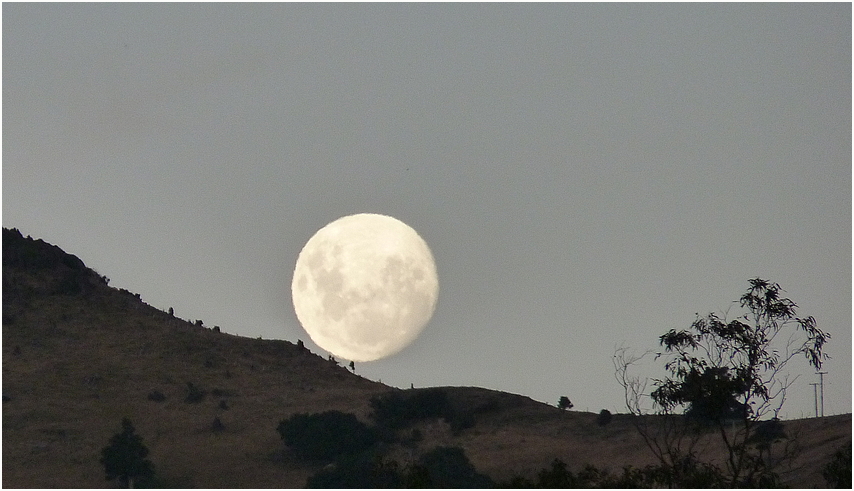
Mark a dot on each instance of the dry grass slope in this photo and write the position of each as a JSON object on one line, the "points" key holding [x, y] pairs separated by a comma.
{"points": [[79, 355]]}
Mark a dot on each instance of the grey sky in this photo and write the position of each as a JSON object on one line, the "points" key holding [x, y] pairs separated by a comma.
{"points": [[587, 176]]}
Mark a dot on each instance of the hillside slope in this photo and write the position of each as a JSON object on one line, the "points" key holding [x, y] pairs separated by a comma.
{"points": [[78, 356]]}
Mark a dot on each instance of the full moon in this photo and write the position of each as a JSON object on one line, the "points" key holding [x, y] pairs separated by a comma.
{"points": [[365, 286]]}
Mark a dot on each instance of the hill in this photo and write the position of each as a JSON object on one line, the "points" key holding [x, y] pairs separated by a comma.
{"points": [[79, 355]]}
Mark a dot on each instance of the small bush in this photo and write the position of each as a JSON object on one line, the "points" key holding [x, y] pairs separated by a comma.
{"points": [[156, 396], [564, 403], [217, 425], [195, 395], [604, 417]]}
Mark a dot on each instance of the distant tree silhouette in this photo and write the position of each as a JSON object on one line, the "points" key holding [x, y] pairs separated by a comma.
{"points": [[604, 417], [564, 403], [124, 458]]}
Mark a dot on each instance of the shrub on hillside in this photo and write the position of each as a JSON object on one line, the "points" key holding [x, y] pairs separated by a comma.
{"points": [[195, 394], [325, 436], [604, 417], [217, 425], [156, 396]]}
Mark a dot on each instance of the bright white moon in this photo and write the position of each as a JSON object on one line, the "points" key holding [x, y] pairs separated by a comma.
{"points": [[365, 286]]}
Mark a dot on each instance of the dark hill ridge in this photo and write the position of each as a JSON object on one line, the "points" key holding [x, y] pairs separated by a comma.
{"points": [[78, 355]]}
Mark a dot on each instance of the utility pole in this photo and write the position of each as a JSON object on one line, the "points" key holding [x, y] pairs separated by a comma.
{"points": [[821, 382], [815, 396]]}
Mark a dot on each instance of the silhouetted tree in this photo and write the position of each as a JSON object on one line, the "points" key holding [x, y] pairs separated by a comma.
{"points": [[725, 375], [564, 403], [124, 458], [604, 417]]}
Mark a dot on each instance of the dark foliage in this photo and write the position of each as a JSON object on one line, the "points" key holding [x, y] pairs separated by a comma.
{"points": [[442, 467], [124, 458], [156, 396], [217, 425], [604, 417], [688, 474], [564, 403], [448, 467], [556, 477], [837, 472], [360, 471], [325, 436], [195, 394], [398, 409]]}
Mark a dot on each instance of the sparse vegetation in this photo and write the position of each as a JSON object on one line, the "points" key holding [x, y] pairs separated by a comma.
{"points": [[564, 403], [604, 417]]}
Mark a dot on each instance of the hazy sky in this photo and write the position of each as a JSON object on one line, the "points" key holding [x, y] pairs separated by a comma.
{"points": [[586, 175]]}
